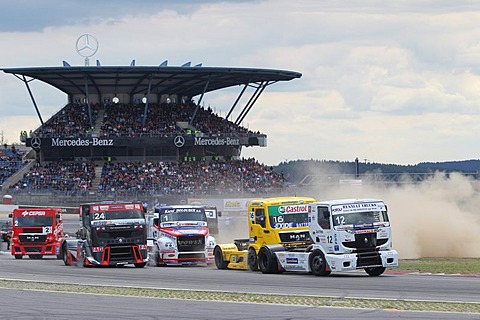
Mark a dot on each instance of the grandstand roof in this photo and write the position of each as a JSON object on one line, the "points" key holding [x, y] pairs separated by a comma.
{"points": [[181, 80]]}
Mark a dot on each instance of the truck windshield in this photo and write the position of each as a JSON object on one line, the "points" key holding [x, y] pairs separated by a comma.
{"points": [[33, 221], [122, 214], [190, 216], [290, 216], [360, 218]]}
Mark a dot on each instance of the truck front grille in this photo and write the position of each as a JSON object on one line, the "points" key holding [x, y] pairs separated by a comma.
{"points": [[365, 241], [191, 243], [301, 236], [121, 253], [32, 238]]}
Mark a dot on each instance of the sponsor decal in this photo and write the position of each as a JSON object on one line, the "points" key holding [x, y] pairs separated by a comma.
{"points": [[33, 213], [199, 141], [355, 207], [93, 142], [292, 260]]}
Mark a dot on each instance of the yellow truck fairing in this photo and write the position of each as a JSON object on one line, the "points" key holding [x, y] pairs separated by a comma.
{"points": [[279, 220]]}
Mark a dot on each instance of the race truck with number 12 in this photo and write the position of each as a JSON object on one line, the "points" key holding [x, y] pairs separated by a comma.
{"points": [[111, 234], [347, 234], [279, 220]]}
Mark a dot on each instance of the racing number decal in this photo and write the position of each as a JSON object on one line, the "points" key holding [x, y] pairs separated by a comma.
{"points": [[340, 220], [47, 229], [329, 239], [99, 216]]}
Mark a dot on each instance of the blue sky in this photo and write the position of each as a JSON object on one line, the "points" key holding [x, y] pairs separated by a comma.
{"points": [[387, 81]]}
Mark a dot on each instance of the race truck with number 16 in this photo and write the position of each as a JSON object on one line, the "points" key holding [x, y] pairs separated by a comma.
{"points": [[111, 234], [279, 220], [36, 232], [346, 234]]}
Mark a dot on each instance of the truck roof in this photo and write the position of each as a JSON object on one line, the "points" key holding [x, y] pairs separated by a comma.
{"points": [[282, 200], [348, 201]]}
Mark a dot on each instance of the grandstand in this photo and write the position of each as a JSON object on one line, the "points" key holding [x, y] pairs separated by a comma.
{"points": [[138, 131]]}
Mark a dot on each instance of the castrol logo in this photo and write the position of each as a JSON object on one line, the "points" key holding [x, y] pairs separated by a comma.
{"points": [[293, 209]]}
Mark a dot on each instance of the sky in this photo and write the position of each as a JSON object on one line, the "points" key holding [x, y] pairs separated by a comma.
{"points": [[385, 81]]}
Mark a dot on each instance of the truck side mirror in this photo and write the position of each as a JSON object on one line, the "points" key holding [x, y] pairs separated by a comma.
{"points": [[9, 215], [219, 213]]}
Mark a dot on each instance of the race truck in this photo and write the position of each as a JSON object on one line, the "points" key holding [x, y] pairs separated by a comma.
{"points": [[36, 232], [111, 234], [179, 235], [346, 234], [280, 220]]}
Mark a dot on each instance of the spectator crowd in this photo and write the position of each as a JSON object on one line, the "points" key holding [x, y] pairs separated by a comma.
{"points": [[246, 176]]}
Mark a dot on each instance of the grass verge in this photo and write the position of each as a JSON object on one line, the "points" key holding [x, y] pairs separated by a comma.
{"points": [[467, 266], [246, 297]]}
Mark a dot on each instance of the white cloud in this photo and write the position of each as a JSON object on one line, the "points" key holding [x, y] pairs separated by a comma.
{"points": [[396, 82]]}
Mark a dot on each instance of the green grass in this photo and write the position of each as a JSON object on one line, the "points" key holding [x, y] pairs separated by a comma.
{"points": [[467, 266]]}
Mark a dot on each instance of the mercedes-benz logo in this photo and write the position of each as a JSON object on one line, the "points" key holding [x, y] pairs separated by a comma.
{"points": [[36, 142], [179, 141], [87, 45]]}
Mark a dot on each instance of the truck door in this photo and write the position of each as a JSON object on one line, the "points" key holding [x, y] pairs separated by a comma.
{"points": [[325, 225], [258, 226]]}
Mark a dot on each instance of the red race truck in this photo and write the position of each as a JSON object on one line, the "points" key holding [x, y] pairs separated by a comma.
{"points": [[36, 232]]}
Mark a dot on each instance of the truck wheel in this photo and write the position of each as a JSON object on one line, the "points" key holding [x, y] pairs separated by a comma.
{"points": [[140, 265], [318, 264], [158, 263], [252, 259], [18, 256], [375, 271], [267, 261], [219, 261], [65, 255]]}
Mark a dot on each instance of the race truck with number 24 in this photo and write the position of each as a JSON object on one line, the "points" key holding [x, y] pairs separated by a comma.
{"points": [[111, 234], [279, 220], [347, 234]]}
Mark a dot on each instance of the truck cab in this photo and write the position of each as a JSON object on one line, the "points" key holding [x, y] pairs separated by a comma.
{"points": [[36, 232], [278, 220]]}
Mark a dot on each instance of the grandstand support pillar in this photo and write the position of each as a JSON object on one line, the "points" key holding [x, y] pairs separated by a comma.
{"points": [[251, 102], [31, 97], [238, 99], [87, 98], [146, 103], [200, 100]]}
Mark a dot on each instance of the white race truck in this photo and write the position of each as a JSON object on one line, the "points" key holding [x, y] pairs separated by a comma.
{"points": [[347, 234], [178, 235]]}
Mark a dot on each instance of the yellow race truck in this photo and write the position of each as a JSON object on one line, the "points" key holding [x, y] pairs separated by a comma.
{"points": [[280, 220]]}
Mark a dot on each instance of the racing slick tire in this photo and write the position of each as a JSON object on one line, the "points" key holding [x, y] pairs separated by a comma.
{"points": [[158, 263], [252, 259], [267, 260], [318, 263], [375, 271], [18, 256], [140, 265], [219, 261], [65, 254]]}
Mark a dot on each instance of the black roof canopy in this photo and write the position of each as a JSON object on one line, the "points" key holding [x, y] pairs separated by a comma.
{"points": [[182, 80]]}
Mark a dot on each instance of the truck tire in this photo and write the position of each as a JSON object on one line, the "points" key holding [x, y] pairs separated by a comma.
{"points": [[318, 263], [375, 271], [140, 265], [219, 261], [18, 256], [267, 261], [252, 259], [65, 254], [158, 263]]}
